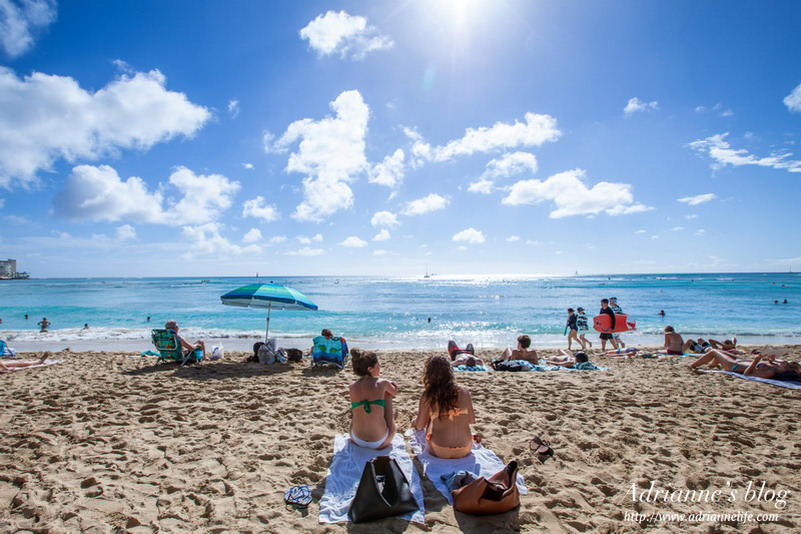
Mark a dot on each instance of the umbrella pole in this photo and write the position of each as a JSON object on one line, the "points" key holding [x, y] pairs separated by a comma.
{"points": [[267, 332]]}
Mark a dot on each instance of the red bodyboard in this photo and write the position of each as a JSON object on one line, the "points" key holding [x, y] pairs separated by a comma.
{"points": [[602, 322]]}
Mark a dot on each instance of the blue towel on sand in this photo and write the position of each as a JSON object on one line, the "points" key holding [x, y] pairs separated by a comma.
{"points": [[471, 368], [790, 384]]}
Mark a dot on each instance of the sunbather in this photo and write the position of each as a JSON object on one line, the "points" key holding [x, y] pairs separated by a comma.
{"points": [[762, 366], [568, 359], [454, 350], [373, 424], [8, 366], [729, 345], [446, 411], [521, 352], [172, 326], [628, 351]]}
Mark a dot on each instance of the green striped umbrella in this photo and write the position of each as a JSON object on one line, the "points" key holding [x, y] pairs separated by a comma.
{"points": [[268, 296]]}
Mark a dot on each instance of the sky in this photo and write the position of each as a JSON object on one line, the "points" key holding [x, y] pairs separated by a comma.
{"points": [[487, 137]]}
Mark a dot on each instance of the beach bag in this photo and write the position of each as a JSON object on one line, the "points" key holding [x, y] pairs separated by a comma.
{"points": [[509, 365], [383, 492], [294, 355], [494, 495]]}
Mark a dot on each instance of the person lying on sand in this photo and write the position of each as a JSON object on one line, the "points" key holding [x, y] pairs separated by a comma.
{"points": [[445, 412], [373, 424], [466, 359], [521, 352], [8, 366], [454, 350], [729, 345], [628, 351], [199, 344], [568, 359], [762, 366]]}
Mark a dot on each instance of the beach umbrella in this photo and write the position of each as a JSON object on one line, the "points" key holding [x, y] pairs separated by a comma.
{"points": [[268, 296]]}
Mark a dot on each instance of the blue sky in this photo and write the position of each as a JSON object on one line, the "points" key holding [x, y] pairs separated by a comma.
{"points": [[469, 136]]}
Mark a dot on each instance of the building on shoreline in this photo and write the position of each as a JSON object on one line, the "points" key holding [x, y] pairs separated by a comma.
{"points": [[8, 270]]}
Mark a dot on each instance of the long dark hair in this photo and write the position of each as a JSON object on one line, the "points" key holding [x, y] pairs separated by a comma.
{"points": [[439, 384]]}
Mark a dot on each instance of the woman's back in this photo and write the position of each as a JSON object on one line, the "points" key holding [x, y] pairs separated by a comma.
{"points": [[367, 396], [451, 428]]}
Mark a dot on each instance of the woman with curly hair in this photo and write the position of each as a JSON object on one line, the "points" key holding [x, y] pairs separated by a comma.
{"points": [[446, 411]]}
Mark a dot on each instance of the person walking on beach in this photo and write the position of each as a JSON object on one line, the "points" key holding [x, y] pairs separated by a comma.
{"points": [[373, 423], [606, 310], [583, 326], [572, 329], [618, 310], [43, 324]]}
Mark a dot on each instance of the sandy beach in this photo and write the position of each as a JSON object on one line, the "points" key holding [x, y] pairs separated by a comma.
{"points": [[105, 442]]}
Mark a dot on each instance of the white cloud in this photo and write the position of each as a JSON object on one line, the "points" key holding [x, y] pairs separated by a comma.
{"points": [[691, 216], [677, 229], [303, 240], [206, 239], [330, 154], [507, 165], [20, 20], [252, 236], [353, 242], [347, 35], [306, 251], [278, 239], [233, 108], [470, 235], [513, 238], [536, 130], [697, 199], [635, 104], [383, 235], [481, 186], [717, 148], [640, 231], [572, 197], [389, 172], [256, 208], [125, 232], [432, 202], [248, 166], [44, 118], [99, 194], [700, 232], [533, 243], [380, 252], [384, 218], [510, 164], [793, 100]]}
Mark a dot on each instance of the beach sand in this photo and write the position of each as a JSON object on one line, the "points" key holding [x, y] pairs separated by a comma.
{"points": [[104, 442]]}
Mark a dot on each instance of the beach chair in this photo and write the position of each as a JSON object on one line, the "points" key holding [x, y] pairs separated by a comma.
{"points": [[329, 352], [6, 351], [166, 342]]}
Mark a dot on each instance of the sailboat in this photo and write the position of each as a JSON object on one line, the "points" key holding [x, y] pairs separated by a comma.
{"points": [[427, 275]]}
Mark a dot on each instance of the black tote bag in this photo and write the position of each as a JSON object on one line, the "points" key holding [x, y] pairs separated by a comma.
{"points": [[383, 492]]}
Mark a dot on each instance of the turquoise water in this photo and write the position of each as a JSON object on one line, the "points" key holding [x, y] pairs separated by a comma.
{"points": [[394, 312]]}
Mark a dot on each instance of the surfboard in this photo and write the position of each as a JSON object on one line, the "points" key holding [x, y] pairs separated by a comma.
{"points": [[602, 323]]}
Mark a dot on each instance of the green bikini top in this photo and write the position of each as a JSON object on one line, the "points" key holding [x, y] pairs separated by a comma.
{"points": [[366, 403]]}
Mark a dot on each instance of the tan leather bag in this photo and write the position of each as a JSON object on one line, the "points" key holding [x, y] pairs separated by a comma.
{"points": [[494, 495]]}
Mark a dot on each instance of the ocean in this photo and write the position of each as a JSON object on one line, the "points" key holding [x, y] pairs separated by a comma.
{"points": [[393, 313]]}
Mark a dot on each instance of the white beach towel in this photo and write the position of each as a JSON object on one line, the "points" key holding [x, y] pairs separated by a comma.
{"points": [[343, 477], [43, 364], [789, 384], [480, 461]]}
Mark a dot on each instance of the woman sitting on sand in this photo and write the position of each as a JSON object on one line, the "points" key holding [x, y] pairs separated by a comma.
{"points": [[373, 425], [763, 366], [172, 326], [11, 365], [446, 411]]}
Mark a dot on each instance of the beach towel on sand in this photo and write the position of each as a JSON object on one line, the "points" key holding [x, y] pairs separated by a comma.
{"points": [[481, 461], [42, 364], [473, 368], [6, 351], [523, 365], [343, 477], [790, 384]]}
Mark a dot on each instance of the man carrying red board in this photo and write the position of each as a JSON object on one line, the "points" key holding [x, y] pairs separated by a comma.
{"points": [[607, 336]]}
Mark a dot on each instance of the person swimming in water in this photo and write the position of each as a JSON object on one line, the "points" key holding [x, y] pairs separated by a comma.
{"points": [[373, 424]]}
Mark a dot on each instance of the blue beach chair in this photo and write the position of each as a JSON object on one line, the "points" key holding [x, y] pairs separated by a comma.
{"points": [[6, 351], [329, 352], [166, 342]]}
